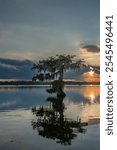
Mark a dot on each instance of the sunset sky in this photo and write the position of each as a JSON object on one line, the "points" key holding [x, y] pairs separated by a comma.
{"points": [[33, 29]]}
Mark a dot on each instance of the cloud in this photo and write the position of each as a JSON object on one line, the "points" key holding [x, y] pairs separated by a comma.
{"points": [[8, 66], [92, 48], [30, 41], [90, 53], [15, 69]]}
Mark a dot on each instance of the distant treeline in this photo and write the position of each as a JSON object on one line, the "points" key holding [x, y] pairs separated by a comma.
{"points": [[46, 83]]}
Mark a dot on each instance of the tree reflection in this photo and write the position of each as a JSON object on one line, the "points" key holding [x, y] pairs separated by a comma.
{"points": [[51, 122]]}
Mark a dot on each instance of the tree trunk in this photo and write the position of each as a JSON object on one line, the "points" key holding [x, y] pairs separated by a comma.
{"points": [[61, 73]]}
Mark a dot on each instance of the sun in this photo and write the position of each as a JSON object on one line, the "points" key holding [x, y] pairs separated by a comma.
{"points": [[91, 72]]}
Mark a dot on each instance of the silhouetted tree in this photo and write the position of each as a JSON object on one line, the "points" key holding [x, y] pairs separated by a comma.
{"points": [[53, 67], [51, 122]]}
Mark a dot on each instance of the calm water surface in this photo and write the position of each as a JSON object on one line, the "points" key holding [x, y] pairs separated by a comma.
{"points": [[16, 131]]}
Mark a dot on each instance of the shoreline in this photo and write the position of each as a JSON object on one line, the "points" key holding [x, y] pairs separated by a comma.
{"points": [[44, 84]]}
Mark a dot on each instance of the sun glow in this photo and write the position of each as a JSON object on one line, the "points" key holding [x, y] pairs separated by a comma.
{"points": [[91, 72]]}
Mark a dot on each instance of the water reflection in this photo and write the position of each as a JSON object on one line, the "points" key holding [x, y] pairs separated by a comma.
{"points": [[85, 111], [88, 108], [52, 123], [73, 110], [91, 93]]}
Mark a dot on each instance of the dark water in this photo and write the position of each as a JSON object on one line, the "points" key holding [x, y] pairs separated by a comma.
{"points": [[16, 131]]}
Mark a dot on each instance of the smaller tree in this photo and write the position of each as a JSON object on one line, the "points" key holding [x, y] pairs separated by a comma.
{"points": [[53, 68]]}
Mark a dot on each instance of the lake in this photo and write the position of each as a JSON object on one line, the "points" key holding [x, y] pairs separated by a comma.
{"points": [[18, 124]]}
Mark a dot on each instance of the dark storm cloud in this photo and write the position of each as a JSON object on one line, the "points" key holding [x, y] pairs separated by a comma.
{"points": [[15, 69], [92, 48]]}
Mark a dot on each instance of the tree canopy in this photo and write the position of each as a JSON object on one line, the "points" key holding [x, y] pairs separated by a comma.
{"points": [[53, 67]]}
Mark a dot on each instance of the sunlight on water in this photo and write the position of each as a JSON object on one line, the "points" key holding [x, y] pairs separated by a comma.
{"points": [[88, 110]]}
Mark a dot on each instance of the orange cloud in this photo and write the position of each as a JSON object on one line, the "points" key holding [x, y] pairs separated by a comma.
{"points": [[91, 77]]}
